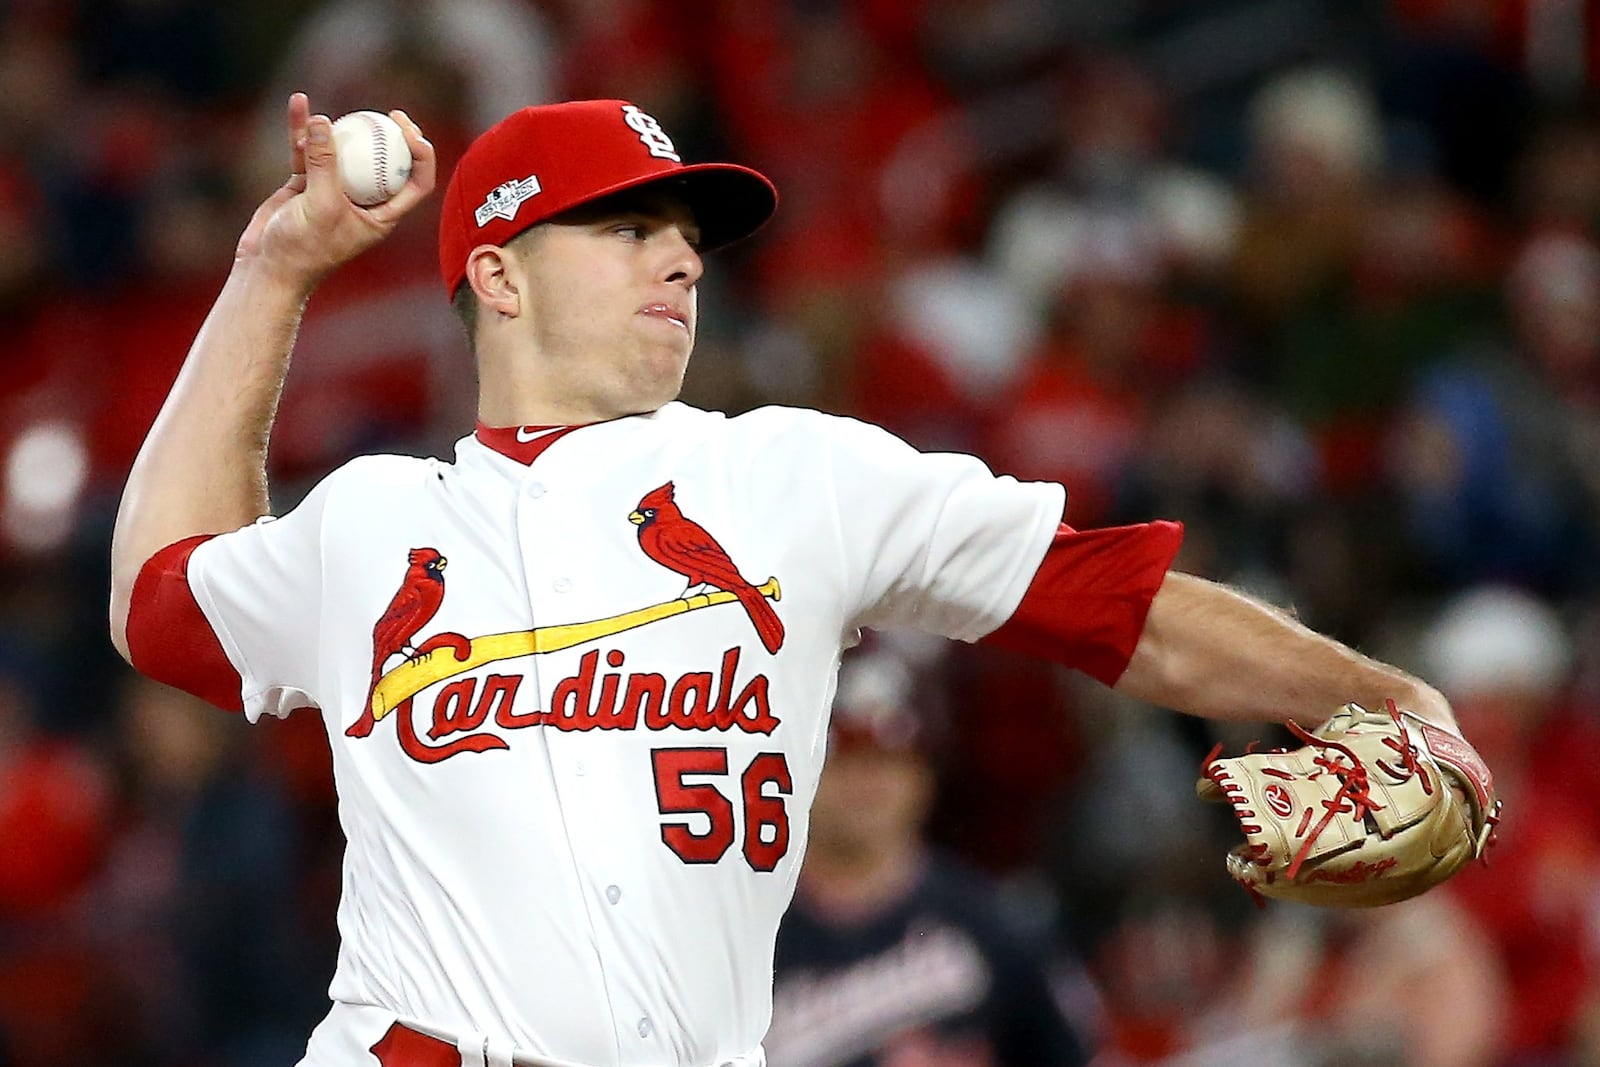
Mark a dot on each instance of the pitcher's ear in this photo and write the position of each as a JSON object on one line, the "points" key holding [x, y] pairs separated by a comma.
{"points": [[492, 275]]}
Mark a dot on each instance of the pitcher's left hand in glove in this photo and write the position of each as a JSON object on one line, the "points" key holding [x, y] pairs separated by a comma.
{"points": [[1363, 814]]}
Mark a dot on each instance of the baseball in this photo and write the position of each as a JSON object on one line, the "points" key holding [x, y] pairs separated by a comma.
{"points": [[374, 159]]}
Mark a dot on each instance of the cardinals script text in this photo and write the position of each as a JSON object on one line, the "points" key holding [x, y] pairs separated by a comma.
{"points": [[589, 700]]}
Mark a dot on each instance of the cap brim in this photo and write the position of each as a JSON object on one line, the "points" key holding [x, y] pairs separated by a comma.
{"points": [[729, 202]]}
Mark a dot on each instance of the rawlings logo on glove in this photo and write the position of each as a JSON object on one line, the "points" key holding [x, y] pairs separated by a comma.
{"points": [[1363, 814]]}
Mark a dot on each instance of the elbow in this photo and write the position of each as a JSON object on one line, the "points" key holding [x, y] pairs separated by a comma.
{"points": [[121, 596], [125, 571], [1154, 674], [128, 559]]}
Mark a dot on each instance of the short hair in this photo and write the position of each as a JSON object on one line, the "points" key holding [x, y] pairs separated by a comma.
{"points": [[465, 302], [465, 305]]}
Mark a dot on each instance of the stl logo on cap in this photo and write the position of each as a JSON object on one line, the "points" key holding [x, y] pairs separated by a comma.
{"points": [[651, 133], [504, 199]]}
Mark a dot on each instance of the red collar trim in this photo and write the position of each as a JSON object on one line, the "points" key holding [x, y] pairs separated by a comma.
{"points": [[521, 443]]}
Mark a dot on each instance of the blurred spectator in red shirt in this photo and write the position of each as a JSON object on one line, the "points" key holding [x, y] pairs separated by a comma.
{"points": [[1505, 660], [54, 801], [1080, 401], [55, 807], [1416, 984]]}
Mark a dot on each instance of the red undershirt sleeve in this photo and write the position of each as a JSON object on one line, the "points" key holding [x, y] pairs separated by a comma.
{"points": [[1087, 603], [169, 638]]}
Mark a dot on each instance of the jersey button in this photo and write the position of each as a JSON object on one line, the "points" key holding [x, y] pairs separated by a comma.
{"points": [[561, 585], [536, 489], [613, 893], [645, 1027]]}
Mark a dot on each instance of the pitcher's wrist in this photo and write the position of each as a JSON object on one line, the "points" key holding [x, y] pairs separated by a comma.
{"points": [[274, 284]]}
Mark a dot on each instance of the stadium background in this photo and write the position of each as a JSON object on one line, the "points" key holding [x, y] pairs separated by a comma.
{"points": [[1318, 278]]}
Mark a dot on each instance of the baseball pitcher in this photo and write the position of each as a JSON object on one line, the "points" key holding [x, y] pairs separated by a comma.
{"points": [[577, 678]]}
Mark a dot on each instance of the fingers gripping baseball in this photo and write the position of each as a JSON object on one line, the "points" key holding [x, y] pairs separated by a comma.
{"points": [[308, 227], [324, 203]]}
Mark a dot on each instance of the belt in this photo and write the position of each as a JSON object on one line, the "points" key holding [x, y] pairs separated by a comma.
{"points": [[405, 1047]]}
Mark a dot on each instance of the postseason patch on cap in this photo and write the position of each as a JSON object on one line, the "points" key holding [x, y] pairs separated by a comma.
{"points": [[504, 200]]}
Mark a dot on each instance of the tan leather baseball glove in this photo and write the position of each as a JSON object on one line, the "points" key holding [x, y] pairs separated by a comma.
{"points": [[1362, 814]]}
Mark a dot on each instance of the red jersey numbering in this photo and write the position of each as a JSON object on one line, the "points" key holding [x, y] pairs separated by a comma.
{"points": [[766, 817]]}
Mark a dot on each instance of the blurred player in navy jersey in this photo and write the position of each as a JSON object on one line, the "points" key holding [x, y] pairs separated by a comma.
{"points": [[892, 954]]}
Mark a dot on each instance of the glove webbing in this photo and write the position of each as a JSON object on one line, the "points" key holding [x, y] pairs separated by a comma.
{"points": [[1354, 796]]}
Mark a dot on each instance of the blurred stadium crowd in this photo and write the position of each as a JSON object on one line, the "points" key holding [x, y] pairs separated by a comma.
{"points": [[1320, 278]]}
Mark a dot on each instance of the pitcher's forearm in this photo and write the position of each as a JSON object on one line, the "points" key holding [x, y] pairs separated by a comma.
{"points": [[1211, 651], [202, 468]]}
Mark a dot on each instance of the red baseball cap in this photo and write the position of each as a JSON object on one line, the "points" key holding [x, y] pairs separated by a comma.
{"points": [[540, 161]]}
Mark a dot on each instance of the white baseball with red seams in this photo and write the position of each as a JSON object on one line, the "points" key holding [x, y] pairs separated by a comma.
{"points": [[374, 158], [574, 791]]}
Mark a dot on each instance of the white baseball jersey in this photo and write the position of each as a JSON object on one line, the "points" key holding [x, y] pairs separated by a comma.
{"points": [[578, 799]]}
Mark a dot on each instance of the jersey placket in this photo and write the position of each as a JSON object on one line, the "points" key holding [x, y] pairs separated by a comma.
{"points": [[585, 781]]}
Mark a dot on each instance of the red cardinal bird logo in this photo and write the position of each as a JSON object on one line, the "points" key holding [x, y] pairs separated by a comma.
{"points": [[416, 602], [683, 545]]}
